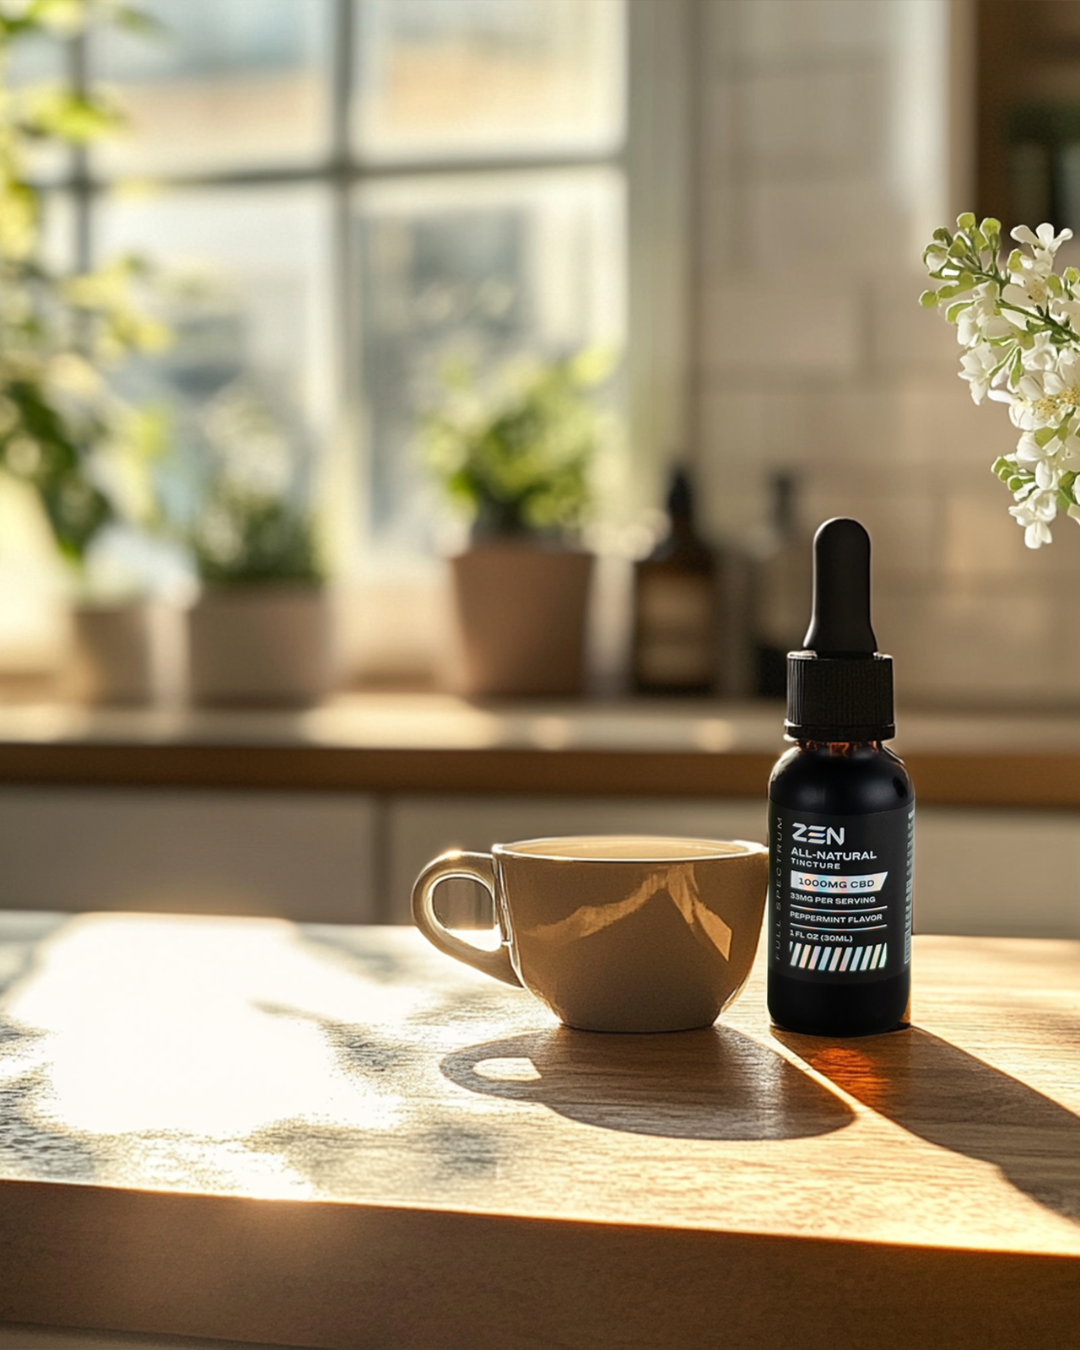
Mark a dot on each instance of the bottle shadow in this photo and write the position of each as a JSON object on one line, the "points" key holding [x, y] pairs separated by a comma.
{"points": [[940, 1093], [709, 1084]]}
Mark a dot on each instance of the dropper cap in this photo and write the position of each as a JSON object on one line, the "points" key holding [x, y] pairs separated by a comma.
{"points": [[841, 687]]}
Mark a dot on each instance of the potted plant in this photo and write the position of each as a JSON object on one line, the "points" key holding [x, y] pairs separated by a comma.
{"points": [[261, 630], [515, 457], [64, 434]]}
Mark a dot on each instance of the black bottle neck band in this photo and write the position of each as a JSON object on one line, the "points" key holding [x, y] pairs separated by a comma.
{"points": [[839, 698]]}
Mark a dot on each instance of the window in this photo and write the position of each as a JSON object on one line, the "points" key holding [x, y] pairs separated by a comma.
{"points": [[352, 191]]}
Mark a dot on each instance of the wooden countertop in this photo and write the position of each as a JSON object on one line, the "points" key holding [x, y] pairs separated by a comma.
{"points": [[337, 1137], [441, 744]]}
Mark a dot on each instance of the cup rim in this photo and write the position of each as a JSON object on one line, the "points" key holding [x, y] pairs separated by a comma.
{"points": [[677, 849]]}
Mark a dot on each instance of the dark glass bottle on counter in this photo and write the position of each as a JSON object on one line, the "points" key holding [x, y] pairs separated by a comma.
{"points": [[675, 605], [781, 589], [841, 818]]}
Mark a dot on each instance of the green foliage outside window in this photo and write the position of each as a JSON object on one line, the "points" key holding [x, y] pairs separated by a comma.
{"points": [[252, 524], [516, 456], [62, 430]]}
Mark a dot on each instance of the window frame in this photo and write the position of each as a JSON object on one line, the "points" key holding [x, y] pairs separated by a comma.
{"points": [[655, 161]]}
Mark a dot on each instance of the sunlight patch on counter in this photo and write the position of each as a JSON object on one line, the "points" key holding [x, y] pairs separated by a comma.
{"points": [[406, 724], [230, 1033]]}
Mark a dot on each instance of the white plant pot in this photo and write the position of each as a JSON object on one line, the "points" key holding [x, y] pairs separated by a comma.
{"points": [[128, 652], [261, 644]]}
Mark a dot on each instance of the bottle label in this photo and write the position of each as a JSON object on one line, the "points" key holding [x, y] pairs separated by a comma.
{"points": [[675, 639], [840, 894], [676, 604]]}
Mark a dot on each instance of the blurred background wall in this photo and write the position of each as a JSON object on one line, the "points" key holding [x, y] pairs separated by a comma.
{"points": [[833, 138], [333, 197], [733, 194]]}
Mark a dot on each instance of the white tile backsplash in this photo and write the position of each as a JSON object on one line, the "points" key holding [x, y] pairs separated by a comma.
{"points": [[782, 326], [826, 422], [973, 649], [810, 122], [939, 427], [825, 224], [982, 544], [764, 32], [814, 353], [905, 337]]}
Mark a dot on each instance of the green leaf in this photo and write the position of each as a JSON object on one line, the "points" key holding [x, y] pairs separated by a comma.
{"points": [[244, 539], [520, 456], [929, 300], [592, 366], [57, 18], [139, 21], [965, 221], [69, 116], [60, 429]]}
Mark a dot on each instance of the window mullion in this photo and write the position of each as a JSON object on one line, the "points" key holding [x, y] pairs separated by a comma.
{"points": [[80, 180], [345, 470], [341, 76]]}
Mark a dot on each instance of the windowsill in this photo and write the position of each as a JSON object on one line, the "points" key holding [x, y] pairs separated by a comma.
{"points": [[430, 742]]}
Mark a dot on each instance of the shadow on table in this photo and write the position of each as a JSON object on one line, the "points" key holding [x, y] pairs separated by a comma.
{"points": [[711, 1084], [949, 1098]]}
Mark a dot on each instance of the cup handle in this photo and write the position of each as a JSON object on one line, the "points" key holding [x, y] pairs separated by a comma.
{"points": [[476, 867]]}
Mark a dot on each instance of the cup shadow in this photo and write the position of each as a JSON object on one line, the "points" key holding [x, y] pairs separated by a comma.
{"points": [[940, 1093], [709, 1084]]}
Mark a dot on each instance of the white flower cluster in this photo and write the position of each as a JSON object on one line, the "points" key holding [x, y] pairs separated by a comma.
{"points": [[1018, 325]]}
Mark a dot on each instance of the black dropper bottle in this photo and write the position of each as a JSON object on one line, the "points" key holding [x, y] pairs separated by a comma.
{"points": [[841, 818]]}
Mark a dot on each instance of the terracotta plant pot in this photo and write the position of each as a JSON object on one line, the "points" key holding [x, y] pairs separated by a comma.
{"points": [[521, 610], [261, 644], [128, 652]]}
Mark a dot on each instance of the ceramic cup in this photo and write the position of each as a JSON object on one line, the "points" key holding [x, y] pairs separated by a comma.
{"points": [[613, 933]]}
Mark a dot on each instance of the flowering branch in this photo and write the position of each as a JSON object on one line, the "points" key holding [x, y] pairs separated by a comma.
{"points": [[1018, 324]]}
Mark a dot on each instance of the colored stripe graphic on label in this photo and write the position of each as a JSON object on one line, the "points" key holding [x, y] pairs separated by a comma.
{"points": [[812, 956]]}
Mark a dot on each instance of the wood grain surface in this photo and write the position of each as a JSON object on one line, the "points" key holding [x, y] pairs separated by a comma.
{"points": [[337, 1137]]}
